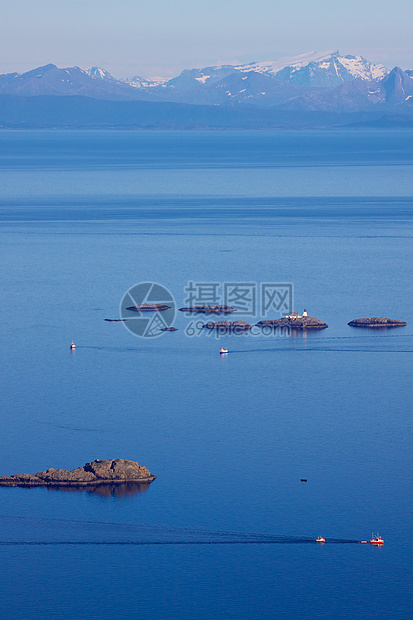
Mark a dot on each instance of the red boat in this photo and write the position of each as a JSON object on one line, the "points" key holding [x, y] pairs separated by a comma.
{"points": [[376, 539], [320, 539]]}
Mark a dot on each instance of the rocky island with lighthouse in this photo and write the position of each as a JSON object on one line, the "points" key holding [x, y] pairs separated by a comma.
{"points": [[295, 321]]}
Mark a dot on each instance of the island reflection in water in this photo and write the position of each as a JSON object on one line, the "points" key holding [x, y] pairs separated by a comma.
{"points": [[123, 489]]}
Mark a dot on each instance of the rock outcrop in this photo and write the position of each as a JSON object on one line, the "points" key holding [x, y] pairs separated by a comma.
{"points": [[211, 309], [114, 471], [304, 322], [233, 326], [377, 321], [149, 308]]}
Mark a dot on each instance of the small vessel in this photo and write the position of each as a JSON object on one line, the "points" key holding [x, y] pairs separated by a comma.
{"points": [[223, 351], [320, 539], [72, 345], [376, 539], [363, 542]]}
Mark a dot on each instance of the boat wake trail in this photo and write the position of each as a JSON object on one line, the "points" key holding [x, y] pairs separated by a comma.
{"points": [[324, 350], [168, 542], [29, 531]]}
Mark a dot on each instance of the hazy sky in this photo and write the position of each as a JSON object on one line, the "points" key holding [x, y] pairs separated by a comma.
{"points": [[163, 37]]}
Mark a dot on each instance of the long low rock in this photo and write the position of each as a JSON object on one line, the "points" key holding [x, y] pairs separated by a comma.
{"points": [[377, 321], [211, 309], [149, 308], [304, 322], [114, 471]]}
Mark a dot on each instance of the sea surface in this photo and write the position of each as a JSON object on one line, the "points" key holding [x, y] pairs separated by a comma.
{"points": [[228, 529]]}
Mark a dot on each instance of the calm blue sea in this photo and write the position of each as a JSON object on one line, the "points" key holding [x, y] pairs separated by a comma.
{"points": [[86, 215]]}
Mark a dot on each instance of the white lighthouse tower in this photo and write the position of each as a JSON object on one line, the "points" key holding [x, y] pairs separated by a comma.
{"points": [[305, 312]]}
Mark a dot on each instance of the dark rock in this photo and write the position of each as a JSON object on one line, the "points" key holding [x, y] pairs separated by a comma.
{"points": [[114, 320], [98, 472], [169, 329], [149, 308], [377, 321], [223, 326], [304, 322], [211, 309]]}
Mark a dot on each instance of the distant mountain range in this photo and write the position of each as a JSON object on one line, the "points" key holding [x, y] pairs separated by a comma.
{"points": [[326, 83], [325, 69]]}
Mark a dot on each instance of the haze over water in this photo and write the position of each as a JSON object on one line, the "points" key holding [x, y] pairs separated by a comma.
{"points": [[86, 215]]}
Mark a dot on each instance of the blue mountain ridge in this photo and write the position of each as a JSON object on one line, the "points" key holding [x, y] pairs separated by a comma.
{"points": [[228, 96]]}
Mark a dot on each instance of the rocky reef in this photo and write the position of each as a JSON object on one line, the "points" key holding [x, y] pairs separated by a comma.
{"points": [[211, 309], [149, 308], [303, 322], [376, 321], [226, 326], [114, 471]]}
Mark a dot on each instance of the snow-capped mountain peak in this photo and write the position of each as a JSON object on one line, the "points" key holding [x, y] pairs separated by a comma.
{"points": [[99, 73], [324, 69], [136, 81], [321, 69], [359, 67]]}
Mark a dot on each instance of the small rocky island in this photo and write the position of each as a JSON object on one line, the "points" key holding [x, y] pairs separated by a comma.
{"points": [[114, 471], [224, 326], [149, 308], [211, 309], [295, 321], [377, 321]]}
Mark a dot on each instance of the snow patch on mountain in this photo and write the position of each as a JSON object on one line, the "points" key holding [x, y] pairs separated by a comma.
{"points": [[203, 78], [273, 66], [138, 81]]}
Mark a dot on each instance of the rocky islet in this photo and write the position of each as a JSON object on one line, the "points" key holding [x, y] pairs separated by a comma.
{"points": [[377, 321], [113, 471]]}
